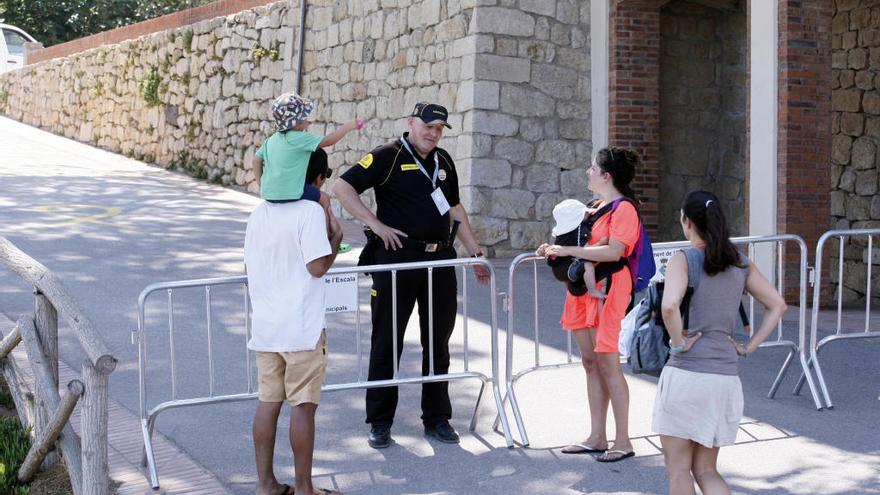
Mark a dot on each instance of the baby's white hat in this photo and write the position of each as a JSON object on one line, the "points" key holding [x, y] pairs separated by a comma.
{"points": [[568, 214]]}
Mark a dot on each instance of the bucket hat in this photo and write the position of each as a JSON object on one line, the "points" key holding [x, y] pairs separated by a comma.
{"points": [[290, 109], [568, 214]]}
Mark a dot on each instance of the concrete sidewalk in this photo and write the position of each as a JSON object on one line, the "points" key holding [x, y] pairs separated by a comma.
{"points": [[109, 226]]}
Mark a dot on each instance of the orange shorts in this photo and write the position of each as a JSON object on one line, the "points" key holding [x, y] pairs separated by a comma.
{"points": [[582, 312]]}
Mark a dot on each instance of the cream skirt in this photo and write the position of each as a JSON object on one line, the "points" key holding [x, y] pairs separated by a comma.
{"points": [[703, 407]]}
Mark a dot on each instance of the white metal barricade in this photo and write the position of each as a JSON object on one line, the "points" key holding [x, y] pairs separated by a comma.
{"points": [[777, 241], [148, 415], [841, 236]]}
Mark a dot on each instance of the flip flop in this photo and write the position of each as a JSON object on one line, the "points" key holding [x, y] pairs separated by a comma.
{"points": [[623, 455], [581, 448], [325, 491], [288, 490]]}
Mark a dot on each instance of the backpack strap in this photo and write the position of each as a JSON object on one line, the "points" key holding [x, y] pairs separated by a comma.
{"points": [[695, 266]]}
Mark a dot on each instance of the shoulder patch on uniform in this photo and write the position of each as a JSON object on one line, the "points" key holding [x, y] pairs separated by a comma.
{"points": [[408, 166], [366, 161]]}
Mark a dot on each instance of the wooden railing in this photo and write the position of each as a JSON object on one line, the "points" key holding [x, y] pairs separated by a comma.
{"points": [[43, 409]]}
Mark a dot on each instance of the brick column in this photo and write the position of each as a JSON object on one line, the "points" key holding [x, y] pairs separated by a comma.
{"points": [[804, 140], [634, 95]]}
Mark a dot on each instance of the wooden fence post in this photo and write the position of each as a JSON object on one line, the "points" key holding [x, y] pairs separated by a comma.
{"points": [[46, 323], [96, 472]]}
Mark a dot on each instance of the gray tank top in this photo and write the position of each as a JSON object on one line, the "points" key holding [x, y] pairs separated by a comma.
{"points": [[714, 310]]}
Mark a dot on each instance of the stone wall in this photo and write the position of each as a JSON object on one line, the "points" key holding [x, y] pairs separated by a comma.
{"points": [[855, 202], [703, 84], [514, 73], [529, 110]]}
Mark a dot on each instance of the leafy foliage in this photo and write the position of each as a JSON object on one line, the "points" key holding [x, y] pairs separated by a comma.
{"points": [[57, 21], [14, 445]]}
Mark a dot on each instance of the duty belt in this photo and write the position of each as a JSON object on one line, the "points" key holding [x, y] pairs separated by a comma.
{"points": [[426, 246]]}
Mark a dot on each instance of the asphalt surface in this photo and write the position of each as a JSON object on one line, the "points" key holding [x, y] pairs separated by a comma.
{"points": [[109, 226]]}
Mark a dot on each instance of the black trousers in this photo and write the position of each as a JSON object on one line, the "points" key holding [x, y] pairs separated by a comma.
{"points": [[412, 286]]}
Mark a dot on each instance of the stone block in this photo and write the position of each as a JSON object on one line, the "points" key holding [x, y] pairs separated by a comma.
{"points": [[860, 18], [492, 123], [498, 68], [852, 123], [516, 151], [872, 127], [841, 206], [545, 203], [473, 44], [866, 183], [517, 100], [506, 47], [536, 51], [864, 80], [857, 58], [871, 102], [556, 81], [556, 152], [486, 172], [573, 183], [858, 208], [541, 7], [489, 231], [841, 147], [498, 20], [473, 199], [839, 60], [510, 203], [567, 11], [847, 78], [527, 236], [863, 153], [846, 100], [847, 180], [478, 94], [542, 178], [838, 204], [579, 129]]}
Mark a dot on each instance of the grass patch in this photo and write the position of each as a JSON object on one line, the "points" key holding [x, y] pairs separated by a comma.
{"points": [[14, 445]]}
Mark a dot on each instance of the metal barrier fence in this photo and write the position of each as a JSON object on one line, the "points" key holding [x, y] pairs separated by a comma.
{"points": [[842, 236], [148, 416], [777, 242]]}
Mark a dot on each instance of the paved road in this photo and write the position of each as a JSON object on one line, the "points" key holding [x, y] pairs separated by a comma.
{"points": [[109, 226]]}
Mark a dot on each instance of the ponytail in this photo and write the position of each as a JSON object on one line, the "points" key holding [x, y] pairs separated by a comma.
{"points": [[704, 211]]}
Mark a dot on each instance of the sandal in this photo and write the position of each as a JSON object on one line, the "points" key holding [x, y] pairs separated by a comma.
{"points": [[581, 448], [621, 455]]}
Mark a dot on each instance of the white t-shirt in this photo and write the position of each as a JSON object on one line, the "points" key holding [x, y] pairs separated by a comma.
{"points": [[286, 300]]}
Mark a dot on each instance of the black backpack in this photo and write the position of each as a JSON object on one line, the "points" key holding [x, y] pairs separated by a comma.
{"points": [[649, 348]]}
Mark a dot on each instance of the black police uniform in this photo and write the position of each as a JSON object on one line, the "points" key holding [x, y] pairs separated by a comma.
{"points": [[403, 198]]}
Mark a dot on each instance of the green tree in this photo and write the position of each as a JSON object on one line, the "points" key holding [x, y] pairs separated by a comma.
{"points": [[57, 21]]}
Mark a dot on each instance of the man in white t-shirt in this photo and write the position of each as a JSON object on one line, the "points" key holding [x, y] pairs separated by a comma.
{"points": [[286, 254]]}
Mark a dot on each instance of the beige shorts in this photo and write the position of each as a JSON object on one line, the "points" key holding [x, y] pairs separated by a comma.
{"points": [[294, 376], [703, 407]]}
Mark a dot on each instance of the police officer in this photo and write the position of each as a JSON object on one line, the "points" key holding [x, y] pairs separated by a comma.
{"points": [[416, 189]]}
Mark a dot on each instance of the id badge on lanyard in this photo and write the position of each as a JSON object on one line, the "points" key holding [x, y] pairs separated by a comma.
{"points": [[437, 195]]}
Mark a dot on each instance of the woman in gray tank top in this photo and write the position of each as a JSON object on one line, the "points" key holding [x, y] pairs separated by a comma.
{"points": [[699, 396]]}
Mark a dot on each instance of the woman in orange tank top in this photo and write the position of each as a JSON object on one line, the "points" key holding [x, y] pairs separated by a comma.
{"points": [[595, 323]]}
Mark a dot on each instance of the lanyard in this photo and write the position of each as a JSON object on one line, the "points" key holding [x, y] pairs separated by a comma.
{"points": [[419, 163]]}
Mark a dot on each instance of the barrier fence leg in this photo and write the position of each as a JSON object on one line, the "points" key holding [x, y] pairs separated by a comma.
{"points": [[821, 379], [505, 426], [809, 378], [498, 416], [782, 371], [517, 416], [473, 425], [149, 457]]}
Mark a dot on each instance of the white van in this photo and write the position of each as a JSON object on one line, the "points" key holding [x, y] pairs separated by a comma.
{"points": [[12, 47]]}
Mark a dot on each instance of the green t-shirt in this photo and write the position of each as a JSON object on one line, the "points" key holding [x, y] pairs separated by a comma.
{"points": [[285, 162]]}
